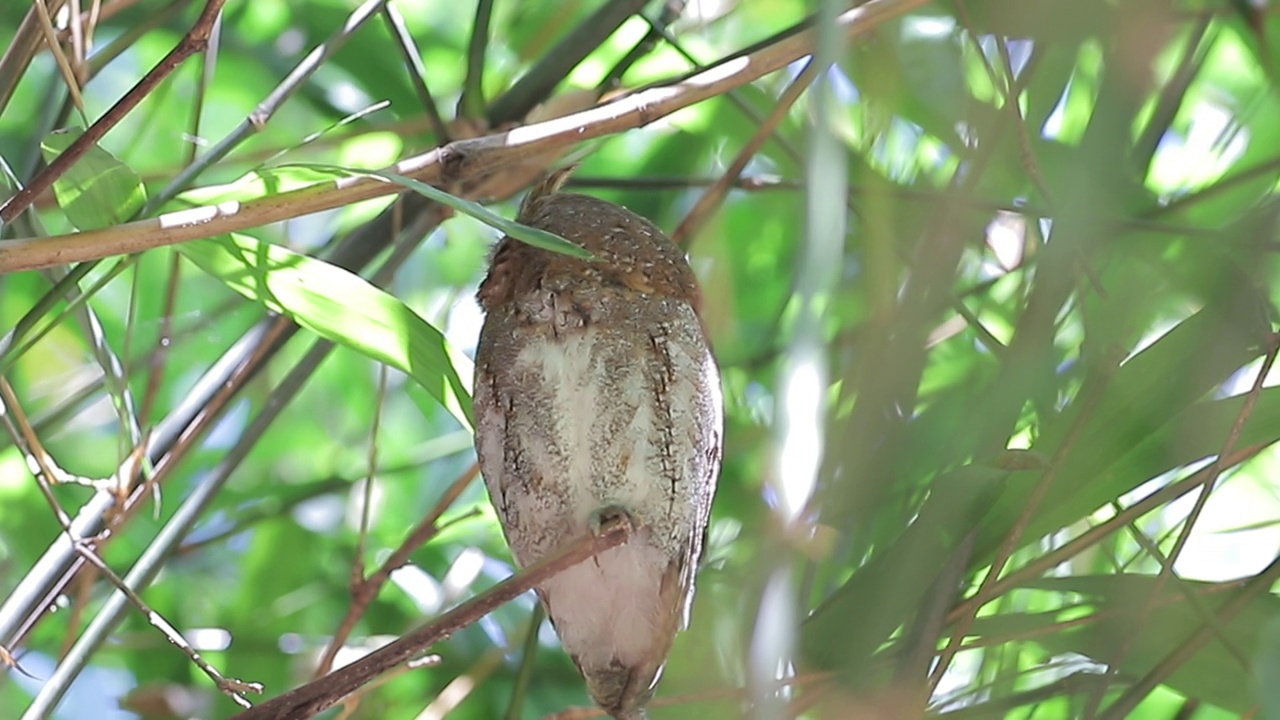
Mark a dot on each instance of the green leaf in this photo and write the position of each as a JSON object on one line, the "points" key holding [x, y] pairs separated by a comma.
{"points": [[1140, 632], [888, 589], [99, 190], [529, 235], [340, 306]]}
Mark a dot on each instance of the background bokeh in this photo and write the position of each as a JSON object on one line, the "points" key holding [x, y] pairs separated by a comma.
{"points": [[993, 304]]}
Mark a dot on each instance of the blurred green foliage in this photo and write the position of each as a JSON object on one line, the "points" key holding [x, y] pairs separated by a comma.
{"points": [[1057, 288]]}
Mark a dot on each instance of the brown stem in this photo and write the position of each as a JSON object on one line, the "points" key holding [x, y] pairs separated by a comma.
{"points": [[715, 195], [1014, 537], [1167, 564], [366, 590], [22, 48]]}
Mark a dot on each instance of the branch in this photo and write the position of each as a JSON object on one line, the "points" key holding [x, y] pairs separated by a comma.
{"points": [[317, 696], [444, 166], [365, 590], [262, 345], [714, 197]]}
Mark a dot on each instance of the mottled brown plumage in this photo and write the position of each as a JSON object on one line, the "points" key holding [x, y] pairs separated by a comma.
{"points": [[596, 395]]}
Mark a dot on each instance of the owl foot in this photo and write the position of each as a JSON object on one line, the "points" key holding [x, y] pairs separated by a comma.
{"points": [[611, 516]]}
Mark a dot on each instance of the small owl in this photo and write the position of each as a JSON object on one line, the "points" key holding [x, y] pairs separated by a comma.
{"points": [[597, 398]]}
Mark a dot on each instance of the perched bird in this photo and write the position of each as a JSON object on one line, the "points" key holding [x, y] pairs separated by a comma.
{"points": [[597, 399]]}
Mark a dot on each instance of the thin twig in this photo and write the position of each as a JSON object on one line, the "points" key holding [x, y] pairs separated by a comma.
{"points": [[60, 58], [1257, 585], [203, 404], [735, 97], [1042, 563], [317, 696], [47, 475], [528, 654], [1179, 543], [366, 590], [160, 356], [231, 687], [1197, 605], [715, 195], [265, 110], [1014, 536], [366, 494], [10, 352], [418, 71], [461, 687], [38, 461], [472, 104], [22, 48], [208, 68], [265, 509], [536, 85]]}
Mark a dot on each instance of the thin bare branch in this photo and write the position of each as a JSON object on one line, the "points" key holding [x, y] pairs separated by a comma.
{"points": [[317, 696], [528, 654], [1179, 544], [1012, 540], [1257, 585], [536, 85], [472, 103], [364, 591], [418, 71], [1097, 533], [69, 75], [22, 48], [715, 195], [231, 687]]}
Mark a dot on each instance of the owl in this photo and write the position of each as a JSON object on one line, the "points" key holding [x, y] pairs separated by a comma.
{"points": [[597, 398]]}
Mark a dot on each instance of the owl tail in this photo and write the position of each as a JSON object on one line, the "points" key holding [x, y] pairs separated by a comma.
{"points": [[621, 691]]}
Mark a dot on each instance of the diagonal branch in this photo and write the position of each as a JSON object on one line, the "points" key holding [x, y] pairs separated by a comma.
{"points": [[452, 163], [365, 590], [317, 696], [22, 48]]}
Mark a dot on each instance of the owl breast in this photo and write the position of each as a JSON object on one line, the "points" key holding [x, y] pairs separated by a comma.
{"points": [[580, 407]]}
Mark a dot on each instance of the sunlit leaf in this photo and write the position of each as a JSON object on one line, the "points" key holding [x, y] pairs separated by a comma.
{"points": [[98, 190], [340, 306]]}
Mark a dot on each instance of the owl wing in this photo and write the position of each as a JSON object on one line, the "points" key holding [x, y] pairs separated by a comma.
{"points": [[702, 471], [493, 411]]}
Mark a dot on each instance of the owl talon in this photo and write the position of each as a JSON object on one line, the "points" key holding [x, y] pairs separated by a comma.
{"points": [[611, 516]]}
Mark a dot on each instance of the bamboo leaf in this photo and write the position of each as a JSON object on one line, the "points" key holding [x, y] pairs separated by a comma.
{"points": [[1150, 631], [340, 306], [530, 235], [99, 190]]}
